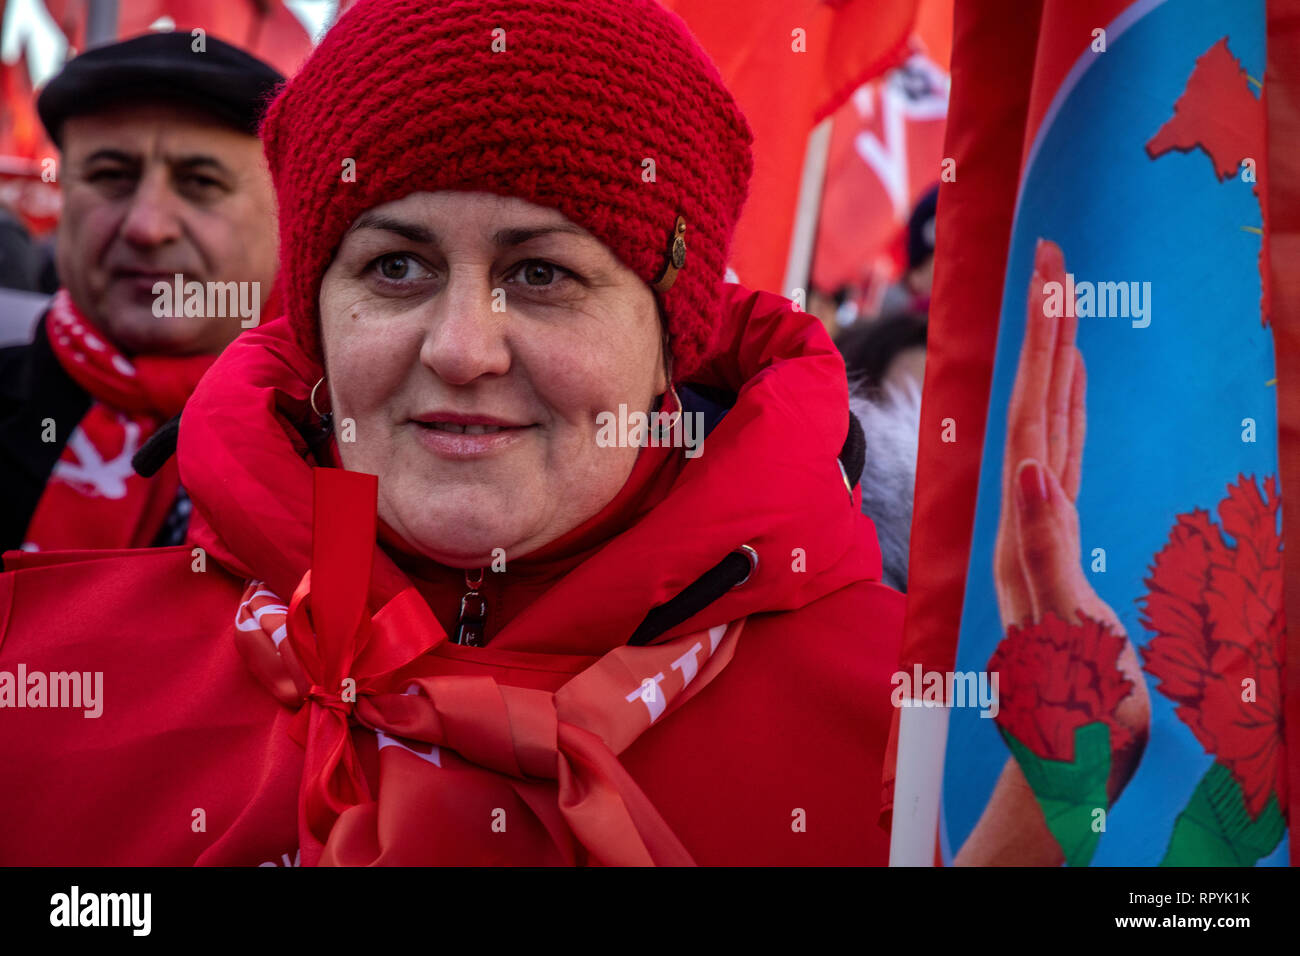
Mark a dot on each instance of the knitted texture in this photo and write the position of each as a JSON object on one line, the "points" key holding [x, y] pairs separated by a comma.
{"points": [[584, 92]]}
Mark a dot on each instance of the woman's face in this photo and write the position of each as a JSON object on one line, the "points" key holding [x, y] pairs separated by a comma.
{"points": [[473, 339]]}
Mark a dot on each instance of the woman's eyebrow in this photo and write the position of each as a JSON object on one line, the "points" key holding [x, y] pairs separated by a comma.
{"points": [[518, 236], [503, 238], [407, 230]]}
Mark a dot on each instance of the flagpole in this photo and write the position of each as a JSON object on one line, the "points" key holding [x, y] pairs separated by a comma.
{"points": [[798, 266], [918, 783], [101, 23]]}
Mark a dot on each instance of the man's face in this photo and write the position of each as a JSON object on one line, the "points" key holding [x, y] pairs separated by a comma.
{"points": [[151, 190]]}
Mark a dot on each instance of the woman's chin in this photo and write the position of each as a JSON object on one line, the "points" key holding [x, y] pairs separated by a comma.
{"points": [[477, 548]]}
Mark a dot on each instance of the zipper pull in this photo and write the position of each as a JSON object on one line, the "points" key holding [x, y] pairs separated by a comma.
{"points": [[473, 613]]}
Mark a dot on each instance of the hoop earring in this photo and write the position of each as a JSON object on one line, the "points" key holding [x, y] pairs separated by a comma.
{"points": [[324, 429], [672, 390], [666, 429], [319, 413], [677, 400]]}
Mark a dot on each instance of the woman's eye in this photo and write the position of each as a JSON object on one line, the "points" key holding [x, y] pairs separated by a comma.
{"points": [[540, 273], [397, 267]]}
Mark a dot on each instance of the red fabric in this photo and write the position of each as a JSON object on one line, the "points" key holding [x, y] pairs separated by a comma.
{"points": [[934, 30], [502, 733], [23, 147], [94, 499], [885, 151], [1282, 96], [991, 120], [992, 64], [846, 43], [265, 28], [21, 133], [584, 92], [767, 763]]}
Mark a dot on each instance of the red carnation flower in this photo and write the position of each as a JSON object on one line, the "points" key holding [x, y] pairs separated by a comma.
{"points": [[1054, 677], [1216, 611]]}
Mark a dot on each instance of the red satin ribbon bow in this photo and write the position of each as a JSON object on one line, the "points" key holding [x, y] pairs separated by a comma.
{"points": [[338, 665]]}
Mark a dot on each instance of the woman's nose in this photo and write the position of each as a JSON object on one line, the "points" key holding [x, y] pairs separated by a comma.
{"points": [[466, 338]]}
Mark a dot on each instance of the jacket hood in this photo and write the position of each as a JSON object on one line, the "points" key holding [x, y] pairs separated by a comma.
{"points": [[769, 477]]}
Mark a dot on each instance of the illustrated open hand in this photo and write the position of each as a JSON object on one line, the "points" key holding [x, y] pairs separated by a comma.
{"points": [[1037, 556]]}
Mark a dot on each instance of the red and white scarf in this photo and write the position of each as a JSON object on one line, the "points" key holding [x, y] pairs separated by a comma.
{"points": [[94, 499]]}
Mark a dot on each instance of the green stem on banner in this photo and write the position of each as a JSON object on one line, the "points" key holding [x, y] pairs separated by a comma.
{"points": [[1215, 828], [1071, 793]]}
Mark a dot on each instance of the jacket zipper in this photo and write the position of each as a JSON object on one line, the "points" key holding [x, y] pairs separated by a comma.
{"points": [[472, 623]]}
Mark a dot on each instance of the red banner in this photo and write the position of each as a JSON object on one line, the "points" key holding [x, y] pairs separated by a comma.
{"points": [[885, 151], [789, 65]]}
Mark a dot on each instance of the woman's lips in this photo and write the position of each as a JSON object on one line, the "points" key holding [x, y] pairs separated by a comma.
{"points": [[464, 441]]}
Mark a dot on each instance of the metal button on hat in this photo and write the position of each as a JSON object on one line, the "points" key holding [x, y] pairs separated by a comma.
{"points": [[676, 257]]}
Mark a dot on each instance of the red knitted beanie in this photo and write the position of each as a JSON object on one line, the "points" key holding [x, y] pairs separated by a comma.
{"points": [[558, 102]]}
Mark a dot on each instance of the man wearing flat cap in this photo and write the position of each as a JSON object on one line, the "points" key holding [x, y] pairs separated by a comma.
{"points": [[166, 249]]}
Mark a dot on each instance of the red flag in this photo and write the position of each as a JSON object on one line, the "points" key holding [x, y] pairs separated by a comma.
{"points": [[26, 155], [885, 151], [1283, 103], [70, 17], [1002, 62], [789, 65], [265, 28], [20, 129], [992, 66], [1008, 72]]}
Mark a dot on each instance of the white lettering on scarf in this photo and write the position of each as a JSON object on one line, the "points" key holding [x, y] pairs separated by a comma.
{"points": [[652, 694]]}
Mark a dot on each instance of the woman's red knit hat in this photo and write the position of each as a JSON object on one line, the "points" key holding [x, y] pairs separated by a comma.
{"points": [[558, 102]]}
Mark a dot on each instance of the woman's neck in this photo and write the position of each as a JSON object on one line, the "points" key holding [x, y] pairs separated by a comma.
{"points": [[510, 584]]}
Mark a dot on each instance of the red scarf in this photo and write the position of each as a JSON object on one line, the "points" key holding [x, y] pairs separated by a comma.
{"points": [[94, 499]]}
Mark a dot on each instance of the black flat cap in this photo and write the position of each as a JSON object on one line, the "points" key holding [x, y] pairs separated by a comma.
{"points": [[223, 80]]}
